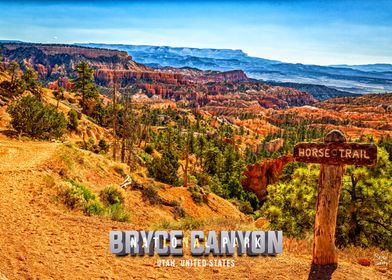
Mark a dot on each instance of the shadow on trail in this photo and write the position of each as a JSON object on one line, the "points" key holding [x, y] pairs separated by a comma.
{"points": [[321, 272]]}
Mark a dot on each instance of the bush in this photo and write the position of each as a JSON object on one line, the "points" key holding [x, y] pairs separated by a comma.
{"points": [[149, 149], [151, 194], [94, 207], [291, 205], [103, 146], [179, 212], [111, 195], [197, 196], [117, 213], [245, 207], [77, 195], [73, 119], [90, 145], [31, 117], [165, 168], [187, 223], [119, 170], [73, 197]]}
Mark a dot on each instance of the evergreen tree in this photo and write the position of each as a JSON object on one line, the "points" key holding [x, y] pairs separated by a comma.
{"points": [[84, 83], [14, 69], [59, 95], [165, 168], [73, 119]]}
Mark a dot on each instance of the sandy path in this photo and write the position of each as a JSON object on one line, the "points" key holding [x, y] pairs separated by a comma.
{"points": [[40, 240]]}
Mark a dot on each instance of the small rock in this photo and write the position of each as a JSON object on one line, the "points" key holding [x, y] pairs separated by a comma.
{"points": [[20, 257], [364, 262], [382, 270]]}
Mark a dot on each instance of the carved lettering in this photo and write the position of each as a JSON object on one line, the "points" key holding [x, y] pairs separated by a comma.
{"points": [[336, 153]]}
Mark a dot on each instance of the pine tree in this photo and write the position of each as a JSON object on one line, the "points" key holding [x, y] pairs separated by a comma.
{"points": [[14, 69], [59, 95], [84, 83]]}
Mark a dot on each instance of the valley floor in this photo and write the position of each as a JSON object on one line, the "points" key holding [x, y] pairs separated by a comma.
{"points": [[40, 240]]}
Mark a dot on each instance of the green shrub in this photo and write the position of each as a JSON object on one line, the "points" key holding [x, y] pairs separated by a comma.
{"points": [[119, 170], [111, 195], [197, 196], [73, 122], [73, 197], [203, 179], [90, 145], [291, 205], [77, 195], [87, 193], [31, 117], [217, 188], [245, 207], [117, 213], [149, 149], [94, 207], [103, 146]]}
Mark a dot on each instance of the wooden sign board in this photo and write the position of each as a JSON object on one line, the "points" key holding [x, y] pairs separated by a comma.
{"points": [[334, 153]]}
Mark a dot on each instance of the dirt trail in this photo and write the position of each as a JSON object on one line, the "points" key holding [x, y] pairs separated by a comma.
{"points": [[39, 240]]}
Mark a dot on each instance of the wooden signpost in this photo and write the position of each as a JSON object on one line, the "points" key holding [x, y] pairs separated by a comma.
{"points": [[333, 154]]}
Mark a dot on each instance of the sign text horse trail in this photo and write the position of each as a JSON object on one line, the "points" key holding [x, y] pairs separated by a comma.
{"points": [[333, 154]]}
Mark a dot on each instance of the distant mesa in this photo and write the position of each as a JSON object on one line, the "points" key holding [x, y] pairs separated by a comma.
{"points": [[321, 81], [218, 91]]}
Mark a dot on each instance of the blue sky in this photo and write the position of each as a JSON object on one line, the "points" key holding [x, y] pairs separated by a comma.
{"points": [[312, 32]]}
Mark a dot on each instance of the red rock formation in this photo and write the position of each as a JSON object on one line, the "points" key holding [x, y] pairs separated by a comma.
{"points": [[259, 176], [228, 76], [274, 145], [291, 96], [51, 61], [105, 76]]}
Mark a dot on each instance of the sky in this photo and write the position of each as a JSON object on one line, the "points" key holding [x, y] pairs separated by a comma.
{"points": [[304, 31]]}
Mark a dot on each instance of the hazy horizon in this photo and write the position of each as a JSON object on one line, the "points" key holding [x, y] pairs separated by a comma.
{"points": [[308, 32]]}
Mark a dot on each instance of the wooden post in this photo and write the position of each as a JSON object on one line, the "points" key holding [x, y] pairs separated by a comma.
{"points": [[330, 183], [332, 155]]}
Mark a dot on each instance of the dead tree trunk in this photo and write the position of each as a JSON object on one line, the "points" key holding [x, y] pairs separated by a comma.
{"points": [[114, 116], [123, 149], [185, 168]]}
